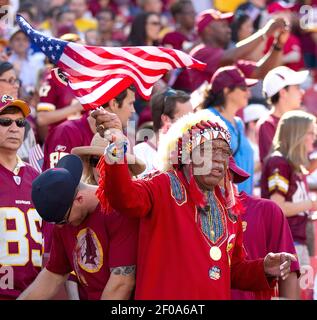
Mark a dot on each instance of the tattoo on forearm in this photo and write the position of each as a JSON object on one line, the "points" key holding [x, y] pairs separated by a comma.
{"points": [[125, 271]]}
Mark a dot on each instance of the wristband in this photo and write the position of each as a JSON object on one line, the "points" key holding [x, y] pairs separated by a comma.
{"points": [[277, 48], [116, 151]]}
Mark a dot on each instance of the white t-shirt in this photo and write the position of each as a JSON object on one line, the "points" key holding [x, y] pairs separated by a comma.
{"points": [[148, 155]]}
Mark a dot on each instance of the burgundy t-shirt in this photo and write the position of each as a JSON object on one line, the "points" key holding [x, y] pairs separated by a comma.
{"points": [[279, 176], [266, 128], [191, 79], [265, 229], [61, 140], [20, 230], [101, 242], [178, 40]]}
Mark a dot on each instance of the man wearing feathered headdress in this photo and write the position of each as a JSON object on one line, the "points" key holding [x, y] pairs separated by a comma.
{"points": [[190, 240]]}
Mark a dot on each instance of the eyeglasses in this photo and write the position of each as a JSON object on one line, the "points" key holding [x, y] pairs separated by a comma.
{"points": [[154, 23], [65, 220], [93, 161], [6, 122], [12, 81]]}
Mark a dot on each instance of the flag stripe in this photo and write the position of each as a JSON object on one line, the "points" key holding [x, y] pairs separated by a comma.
{"points": [[97, 93], [141, 85], [99, 72], [115, 90], [119, 56], [90, 60], [36, 155]]}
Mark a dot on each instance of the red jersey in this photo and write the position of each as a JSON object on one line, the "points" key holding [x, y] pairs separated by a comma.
{"points": [[279, 176], [101, 242], [20, 229], [266, 128], [61, 140], [179, 257], [265, 229], [54, 96]]}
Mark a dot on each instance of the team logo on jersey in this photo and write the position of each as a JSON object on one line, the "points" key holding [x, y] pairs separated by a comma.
{"points": [[214, 273], [5, 98], [88, 252], [17, 180], [60, 148], [230, 246]]}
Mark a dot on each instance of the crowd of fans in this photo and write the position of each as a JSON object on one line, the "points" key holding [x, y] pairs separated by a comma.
{"points": [[260, 79]]}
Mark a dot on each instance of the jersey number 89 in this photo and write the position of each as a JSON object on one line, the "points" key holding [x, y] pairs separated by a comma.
{"points": [[19, 236]]}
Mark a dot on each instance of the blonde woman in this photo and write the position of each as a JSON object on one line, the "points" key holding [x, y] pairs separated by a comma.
{"points": [[283, 176]]}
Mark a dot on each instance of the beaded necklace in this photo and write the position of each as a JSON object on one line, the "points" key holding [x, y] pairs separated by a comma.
{"points": [[213, 221]]}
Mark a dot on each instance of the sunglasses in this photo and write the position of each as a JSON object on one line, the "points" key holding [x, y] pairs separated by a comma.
{"points": [[67, 214], [6, 122], [93, 161], [65, 220]]}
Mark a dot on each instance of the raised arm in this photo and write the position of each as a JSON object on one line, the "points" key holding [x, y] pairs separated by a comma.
{"points": [[246, 46], [130, 197], [273, 58], [45, 118]]}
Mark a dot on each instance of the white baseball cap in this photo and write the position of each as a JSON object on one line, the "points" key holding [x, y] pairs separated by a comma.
{"points": [[280, 77], [254, 111]]}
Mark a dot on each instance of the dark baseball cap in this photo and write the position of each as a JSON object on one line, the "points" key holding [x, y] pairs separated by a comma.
{"points": [[239, 175], [54, 190], [230, 77]]}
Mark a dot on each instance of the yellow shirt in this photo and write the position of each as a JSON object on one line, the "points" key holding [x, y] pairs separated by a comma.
{"points": [[227, 5], [83, 24], [45, 25]]}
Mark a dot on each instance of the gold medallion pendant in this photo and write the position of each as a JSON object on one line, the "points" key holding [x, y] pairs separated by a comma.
{"points": [[215, 253]]}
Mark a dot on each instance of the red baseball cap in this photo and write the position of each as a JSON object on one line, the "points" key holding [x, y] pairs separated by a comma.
{"points": [[207, 16], [280, 6], [229, 77], [8, 101], [239, 175]]}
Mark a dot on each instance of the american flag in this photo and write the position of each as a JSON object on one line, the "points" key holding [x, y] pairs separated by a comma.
{"points": [[98, 74], [36, 157]]}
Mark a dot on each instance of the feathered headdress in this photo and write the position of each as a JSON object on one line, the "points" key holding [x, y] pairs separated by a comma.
{"points": [[176, 146]]}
